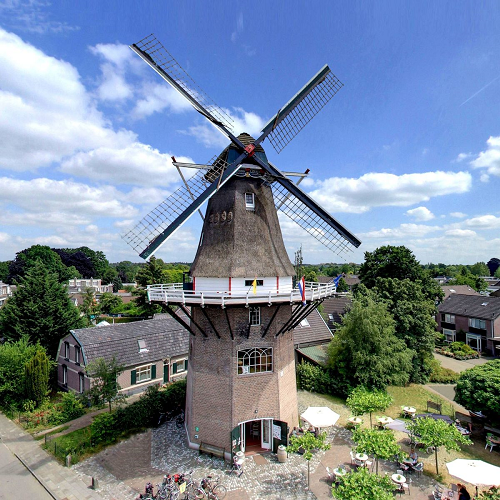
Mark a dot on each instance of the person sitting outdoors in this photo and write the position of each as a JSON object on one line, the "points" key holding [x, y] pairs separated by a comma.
{"points": [[413, 456], [463, 494], [311, 429]]}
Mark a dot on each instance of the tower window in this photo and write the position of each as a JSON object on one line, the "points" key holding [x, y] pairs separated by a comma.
{"points": [[254, 316], [250, 201], [256, 360]]}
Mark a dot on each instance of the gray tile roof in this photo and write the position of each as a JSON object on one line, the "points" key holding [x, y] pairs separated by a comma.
{"points": [[337, 307], [163, 337], [316, 333], [471, 306], [458, 290]]}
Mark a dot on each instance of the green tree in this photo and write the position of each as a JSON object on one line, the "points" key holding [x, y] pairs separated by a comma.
{"points": [[436, 433], [150, 274], [108, 302], [413, 313], [361, 485], [90, 308], [99, 260], [105, 387], [308, 442], [4, 271], [298, 264], [479, 388], [13, 357], [380, 444], [480, 269], [492, 494], [28, 258], [342, 286], [365, 350], [469, 279], [362, 401], [311, 276], [41, 309], [398, 263], [37, 375]]}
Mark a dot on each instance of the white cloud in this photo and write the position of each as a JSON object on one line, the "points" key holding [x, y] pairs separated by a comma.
{"points": [[46, 201], [483, 222], [420, 214], [382, 189], [239, 28], [460, 233], [135, 164], [158, 97], [489, 159], [403, 231], [45, 111], [458, 215], [4, 237], [462, 157]]}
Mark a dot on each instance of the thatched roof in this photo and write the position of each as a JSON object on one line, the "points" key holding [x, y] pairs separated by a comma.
{"points": [[238, 242]]}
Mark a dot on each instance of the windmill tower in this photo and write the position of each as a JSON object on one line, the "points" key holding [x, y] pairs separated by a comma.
{"points": [[241, 302]]}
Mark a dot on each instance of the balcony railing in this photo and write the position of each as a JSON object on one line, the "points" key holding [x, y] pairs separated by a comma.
{"points": [[173, 293]]}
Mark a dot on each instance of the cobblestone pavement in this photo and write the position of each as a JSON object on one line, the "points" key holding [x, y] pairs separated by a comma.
{"points": [[122, 470]]}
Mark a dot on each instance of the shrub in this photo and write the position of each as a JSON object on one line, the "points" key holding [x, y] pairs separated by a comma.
{"points": [[440, 375], [461, 348], [315, 378], [105, 427]]}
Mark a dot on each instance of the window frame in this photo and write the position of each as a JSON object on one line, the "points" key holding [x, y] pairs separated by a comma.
{"points": [[250, 282], [452, 333], [67, 350], [250, 204], [448, 318], [77, 354], [139, 371], [254, 317], [65, 375], [255, 360], [473, 321], [81, 382], [183, 363]]}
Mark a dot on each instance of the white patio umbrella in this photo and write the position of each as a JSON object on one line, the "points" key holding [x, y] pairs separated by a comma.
{"points": [[475, 472], [320, 416]]}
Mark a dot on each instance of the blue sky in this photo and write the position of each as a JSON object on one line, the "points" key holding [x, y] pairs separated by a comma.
{"points": [[407, 153]]}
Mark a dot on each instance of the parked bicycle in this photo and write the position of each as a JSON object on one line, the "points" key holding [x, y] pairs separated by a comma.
{"points": [[179, 421], [210, 489]]}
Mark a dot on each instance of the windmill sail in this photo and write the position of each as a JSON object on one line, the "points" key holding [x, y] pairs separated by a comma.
{"points": [[302, 108], [151, 50]]}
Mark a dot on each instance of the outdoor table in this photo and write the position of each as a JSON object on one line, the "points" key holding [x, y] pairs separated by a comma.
{"points": [[384, 420], [463, 430], [495, 439], [409, 410], [398, 478], [339, 472], [409, 461], [362, 457], [355, 420]]}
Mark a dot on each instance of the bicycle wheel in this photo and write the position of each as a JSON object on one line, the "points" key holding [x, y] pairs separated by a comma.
{"points": [[199, 493], [219, 492]]}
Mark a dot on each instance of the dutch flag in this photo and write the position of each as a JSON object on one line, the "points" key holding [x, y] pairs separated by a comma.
{"points": [[302, 289]]}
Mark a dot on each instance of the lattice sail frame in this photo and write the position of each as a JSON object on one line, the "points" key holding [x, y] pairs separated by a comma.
{"points": [[155, 223], [302, 215], [164, 60], [302, 108]]}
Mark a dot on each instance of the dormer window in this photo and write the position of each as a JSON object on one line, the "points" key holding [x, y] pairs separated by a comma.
{"points": [[250, 201], [142, 346]]}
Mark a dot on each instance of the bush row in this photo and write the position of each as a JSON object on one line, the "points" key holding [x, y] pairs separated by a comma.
{"points": [[318, 379], [107, 427]]}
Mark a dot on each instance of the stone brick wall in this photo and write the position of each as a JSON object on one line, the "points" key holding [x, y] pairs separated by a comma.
{"points": [[218, 399]]}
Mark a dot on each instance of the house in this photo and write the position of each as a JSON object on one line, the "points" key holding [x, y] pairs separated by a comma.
{"points": [[152, 351], [311, 338], [5, 292], [458, 290], [351, 280], [334, 308], [473, 319], [77, 285]]}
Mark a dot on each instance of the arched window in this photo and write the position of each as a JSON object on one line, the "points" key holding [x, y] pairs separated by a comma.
{"points": [[255, 360]]}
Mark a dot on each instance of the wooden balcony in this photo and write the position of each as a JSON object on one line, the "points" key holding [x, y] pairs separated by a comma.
{"points": [[173, 293]]}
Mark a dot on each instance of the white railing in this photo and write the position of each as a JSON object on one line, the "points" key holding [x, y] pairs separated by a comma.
{"points": [[173, 293]]}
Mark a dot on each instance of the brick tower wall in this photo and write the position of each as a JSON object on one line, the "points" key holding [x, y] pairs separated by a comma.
{"points": [[218, 398]]}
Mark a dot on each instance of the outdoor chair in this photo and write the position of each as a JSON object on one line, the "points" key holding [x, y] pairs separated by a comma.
{"points": [[489, 442], [400, 472], [331, 475], [418, 468], [453, 490], [406, 486], [369, 465]]}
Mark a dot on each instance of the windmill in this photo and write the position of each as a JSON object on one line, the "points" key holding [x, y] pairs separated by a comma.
{"points": [[241, 302]]}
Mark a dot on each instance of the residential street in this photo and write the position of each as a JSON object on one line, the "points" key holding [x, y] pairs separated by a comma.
{"points": [[16, 480]]}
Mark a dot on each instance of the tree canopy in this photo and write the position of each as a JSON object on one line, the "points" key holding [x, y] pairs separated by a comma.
{"points": [[361, 401], [478, 388], [40, 308], [379, 443], [413, 314], [361, 485], [366, 351], [436, 433], [105, 387]]}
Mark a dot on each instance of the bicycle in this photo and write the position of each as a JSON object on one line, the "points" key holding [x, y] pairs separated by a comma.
{"points": [[179, 421], [210, 489]]}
